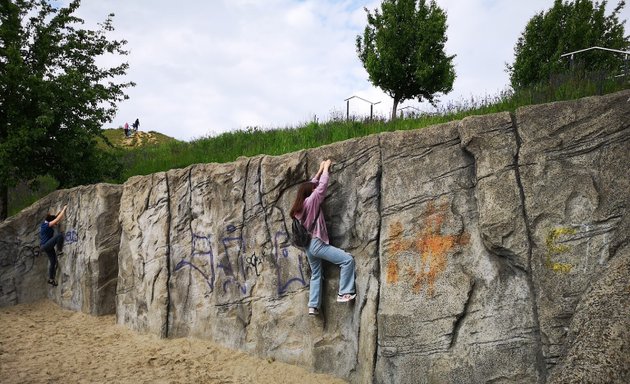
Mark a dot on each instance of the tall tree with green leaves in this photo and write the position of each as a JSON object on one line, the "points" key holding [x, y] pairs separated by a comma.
{"points": [[402, 49], [54, 96], [568, 27]]}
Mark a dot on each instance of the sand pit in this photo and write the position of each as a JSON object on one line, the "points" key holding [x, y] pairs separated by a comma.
{"points": [[42, 343]]}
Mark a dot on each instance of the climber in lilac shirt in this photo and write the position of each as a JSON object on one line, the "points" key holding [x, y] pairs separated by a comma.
{"points": [[306, 208]]}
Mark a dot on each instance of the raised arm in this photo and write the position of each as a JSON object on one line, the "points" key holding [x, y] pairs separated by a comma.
{"points": [[319, 193], [315, 178], [59, 216]]}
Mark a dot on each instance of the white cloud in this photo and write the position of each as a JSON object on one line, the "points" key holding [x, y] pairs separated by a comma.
{"points": [[205, 67]]}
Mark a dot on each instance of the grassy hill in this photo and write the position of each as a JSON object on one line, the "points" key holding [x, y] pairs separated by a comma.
{"points": [[26, 193], [116, 136]]}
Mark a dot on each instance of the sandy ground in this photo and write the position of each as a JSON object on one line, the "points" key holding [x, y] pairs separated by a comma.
{"points": [[42, 343]]}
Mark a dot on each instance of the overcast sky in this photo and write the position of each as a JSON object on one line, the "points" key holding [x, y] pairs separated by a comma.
{"points": [[207, 67]]}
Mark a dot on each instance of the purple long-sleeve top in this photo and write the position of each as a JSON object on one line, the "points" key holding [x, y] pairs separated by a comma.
{"points": [[312, 205]]}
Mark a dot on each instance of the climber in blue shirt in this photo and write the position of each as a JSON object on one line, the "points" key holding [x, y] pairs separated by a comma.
{"points": [[48, 242]]}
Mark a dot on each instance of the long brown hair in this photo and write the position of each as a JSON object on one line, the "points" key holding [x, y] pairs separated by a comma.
{"points": [[303, 192]]}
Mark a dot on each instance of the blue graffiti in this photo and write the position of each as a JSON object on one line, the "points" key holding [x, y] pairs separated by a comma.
{"points": [[71, 237], [226, 266], [202, 250], [234, 264], [22, 262], [281, 245]]}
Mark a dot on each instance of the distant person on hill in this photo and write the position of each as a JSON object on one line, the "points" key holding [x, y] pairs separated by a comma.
{"points": [[307, 209], [48, 242], [126, 130], [136, 125]]}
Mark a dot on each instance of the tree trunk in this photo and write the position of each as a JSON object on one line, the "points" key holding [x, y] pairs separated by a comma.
{"points": [[4, 201], [394, 108]]}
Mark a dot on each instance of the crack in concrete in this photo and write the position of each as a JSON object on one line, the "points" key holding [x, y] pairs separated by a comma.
{"points": [[243, 248], [157, 275], [377, 271], [459, 319], [168, 257], [540, 358], [269, 239], [190, 270]]}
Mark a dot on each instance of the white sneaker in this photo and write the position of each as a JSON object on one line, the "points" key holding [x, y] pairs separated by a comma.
{"points": [[346, 297]]}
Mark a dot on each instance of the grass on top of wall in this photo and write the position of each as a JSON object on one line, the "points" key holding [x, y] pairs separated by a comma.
{"points": [[253, 141], [231, 145], [165, 153]]}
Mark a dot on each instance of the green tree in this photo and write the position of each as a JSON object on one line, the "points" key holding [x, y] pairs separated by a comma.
{"points": [[402, 49], [54, 96], [568, 27]]}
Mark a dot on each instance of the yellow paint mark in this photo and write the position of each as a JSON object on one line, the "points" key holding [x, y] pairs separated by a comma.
{"points": [[554, 249], [561, 267]]}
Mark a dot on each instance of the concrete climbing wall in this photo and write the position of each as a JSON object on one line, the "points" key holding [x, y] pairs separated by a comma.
{"points": [[491, 249], [205, 253], [88, 270]]}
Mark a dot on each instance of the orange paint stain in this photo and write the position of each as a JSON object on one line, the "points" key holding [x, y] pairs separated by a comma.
{"points": [[395, 236], [430, 244], [392, 271]]}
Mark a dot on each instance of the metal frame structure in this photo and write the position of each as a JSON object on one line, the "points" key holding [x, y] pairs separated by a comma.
{"points": [[627, 53], [407, 107], [372, 104], [591, 48]]}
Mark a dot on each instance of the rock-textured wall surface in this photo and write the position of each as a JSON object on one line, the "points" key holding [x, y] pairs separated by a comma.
{"points": [[454, 305], [477, 243], [204, 252], [574, 166], [88, 270], [493, 249]]}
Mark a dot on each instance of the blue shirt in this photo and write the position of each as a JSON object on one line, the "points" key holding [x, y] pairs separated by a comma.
{"points": [[45, 233]]}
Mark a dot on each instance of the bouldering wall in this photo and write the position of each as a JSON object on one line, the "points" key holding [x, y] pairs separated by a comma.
{"points": [[491, 249], [475, 242], [204, 252], [88, 270]]}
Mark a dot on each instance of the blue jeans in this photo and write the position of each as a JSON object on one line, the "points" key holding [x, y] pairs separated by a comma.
{"points": [[49, 248], [318, 251]]}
